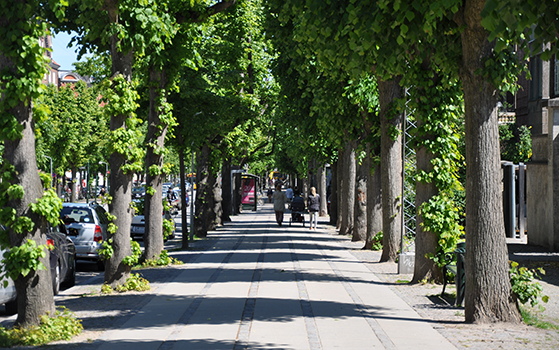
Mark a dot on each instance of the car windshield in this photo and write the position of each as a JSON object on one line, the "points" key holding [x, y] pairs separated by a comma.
{"points": [[70, 215]]}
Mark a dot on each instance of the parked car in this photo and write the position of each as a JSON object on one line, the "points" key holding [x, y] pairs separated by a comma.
{"points": [[62, 258], [86, 225], [187, 196], [8, 295], [138, 192], [138, 227]]}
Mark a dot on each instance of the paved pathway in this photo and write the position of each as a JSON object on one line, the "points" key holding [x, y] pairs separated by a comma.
{"points": [[262, 286]]}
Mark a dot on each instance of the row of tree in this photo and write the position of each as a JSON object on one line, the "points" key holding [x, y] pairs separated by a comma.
{"points": [[283, 84]]}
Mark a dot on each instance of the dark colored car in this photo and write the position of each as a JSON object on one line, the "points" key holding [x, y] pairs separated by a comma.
{"points": [[62, 258], [138, 192]]}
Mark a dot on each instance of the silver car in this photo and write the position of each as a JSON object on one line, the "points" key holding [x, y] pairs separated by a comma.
{"points": [[86, 225], [8, 294]]}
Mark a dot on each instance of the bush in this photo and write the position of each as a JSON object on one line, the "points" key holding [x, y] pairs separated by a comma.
{"points": [[523, 285], [61, 327]]}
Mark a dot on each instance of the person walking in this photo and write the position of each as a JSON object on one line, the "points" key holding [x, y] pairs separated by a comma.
{"points": [[289, 193], [279, 204], [270, 193], [313, 205]]}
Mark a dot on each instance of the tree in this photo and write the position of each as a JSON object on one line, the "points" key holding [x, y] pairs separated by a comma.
{"points": [[25, 207], [75, 132]]}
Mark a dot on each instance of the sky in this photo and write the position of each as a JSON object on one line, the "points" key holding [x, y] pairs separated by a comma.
{"points": [[61, 54]]}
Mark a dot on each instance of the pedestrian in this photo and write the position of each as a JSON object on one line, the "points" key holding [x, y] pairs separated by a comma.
{"points": [[279, 204], [270, 193], [313, 205], [289, 193]]}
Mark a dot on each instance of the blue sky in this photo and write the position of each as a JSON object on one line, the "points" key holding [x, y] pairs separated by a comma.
{"points": [[61, 54]]}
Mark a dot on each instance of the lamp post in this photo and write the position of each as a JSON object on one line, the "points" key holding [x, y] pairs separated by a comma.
{"points": [[105, 178], [50, 169], [192, 201]]}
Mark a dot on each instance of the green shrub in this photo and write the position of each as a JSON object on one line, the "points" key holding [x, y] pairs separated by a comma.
{"points": [[61, 327], [163, 260], [377, 241], [523, 285], [134, 283]]}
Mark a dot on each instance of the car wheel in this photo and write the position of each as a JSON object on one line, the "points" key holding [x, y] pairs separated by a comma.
{"points": [[72, 278], [11, 307], [56, 279]]}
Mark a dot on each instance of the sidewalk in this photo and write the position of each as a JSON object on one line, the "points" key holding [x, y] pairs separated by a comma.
{"points": [[255, 285]]}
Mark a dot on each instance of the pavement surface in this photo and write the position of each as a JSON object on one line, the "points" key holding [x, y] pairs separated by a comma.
{"points": [[256, 285]]}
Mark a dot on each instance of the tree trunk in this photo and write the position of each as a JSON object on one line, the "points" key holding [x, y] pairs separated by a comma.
{"points": [[226, 190], [35, 296], [426, 242], [153, 236], [348, 193], [184, 207], [237, 193], [116, 272], [341, 194], [322, 190], [360, 219], [391, 169], [374, 198], [334, 194], [74, 185], [217, 204], [488, 290], [212, 207], [203, 192]]}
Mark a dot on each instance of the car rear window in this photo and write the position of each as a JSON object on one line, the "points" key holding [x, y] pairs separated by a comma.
{"points": [[70, 215]]}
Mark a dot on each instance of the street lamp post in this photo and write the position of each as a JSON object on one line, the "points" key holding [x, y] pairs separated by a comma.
{"points": [[50, 169]]}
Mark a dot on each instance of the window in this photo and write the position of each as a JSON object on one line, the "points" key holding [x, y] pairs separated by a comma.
{"points": [[536, 81]]}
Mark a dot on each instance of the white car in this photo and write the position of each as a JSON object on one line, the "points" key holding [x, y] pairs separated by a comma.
{"points": [[138, 227], [86, 226], [8, 295]]}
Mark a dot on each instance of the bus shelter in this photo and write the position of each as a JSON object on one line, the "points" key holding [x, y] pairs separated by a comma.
{"points": [[250, 186]]}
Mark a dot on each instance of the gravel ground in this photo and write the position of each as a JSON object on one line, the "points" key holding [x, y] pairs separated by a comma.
{"points": [[449, 320]]}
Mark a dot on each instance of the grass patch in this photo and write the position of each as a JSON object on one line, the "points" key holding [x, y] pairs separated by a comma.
{"points": [[532, 319], [63, 326], [402, 281]]}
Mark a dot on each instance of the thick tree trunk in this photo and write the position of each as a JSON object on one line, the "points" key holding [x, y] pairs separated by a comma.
{"points": [[360, 219], [203, 192], [237, 193], [213, 207], [426, 242], [217, 208], [334, 194], [35, 296], [488, 290], [116, 272], [153, 237], [391, 169], [226, 190], [348, 199], [374, 199], [322, 190]]}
